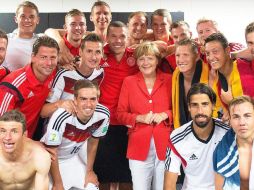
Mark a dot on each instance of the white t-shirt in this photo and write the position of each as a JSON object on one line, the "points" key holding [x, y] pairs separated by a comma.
{"points": [[68, 133], [63, 84], [197, 153], [19, 51]]}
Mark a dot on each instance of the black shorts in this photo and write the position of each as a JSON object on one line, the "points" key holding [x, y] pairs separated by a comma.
{"points": [[111, 164]]}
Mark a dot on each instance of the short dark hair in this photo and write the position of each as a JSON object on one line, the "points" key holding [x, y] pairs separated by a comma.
{"points": [[188, 42], [178, 24], [45, 41], [141, 13], [100, 3], [240, 100], [201, 88], [219, 37], [3, 35], [14, 115], [28, 4], [117, 24], [163, 13], [91, 37], [249, 28], [84, 83]]}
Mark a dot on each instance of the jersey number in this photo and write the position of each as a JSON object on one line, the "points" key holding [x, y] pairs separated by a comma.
{"points": [[75, 149]]}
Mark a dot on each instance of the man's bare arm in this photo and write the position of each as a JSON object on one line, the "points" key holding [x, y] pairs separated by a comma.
{"points": [[49, 108], [170, 180], [244, 53], [54, 171], [42, 164], [219, 181], [65, 56], [91, 154]]}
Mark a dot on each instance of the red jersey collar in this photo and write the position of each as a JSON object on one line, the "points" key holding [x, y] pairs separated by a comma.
{"points": [[32, 78], [106, 49], [74, 51]]}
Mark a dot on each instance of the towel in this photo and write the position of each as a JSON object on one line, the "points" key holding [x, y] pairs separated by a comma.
{"points": [[180, 115], [225, 161]]}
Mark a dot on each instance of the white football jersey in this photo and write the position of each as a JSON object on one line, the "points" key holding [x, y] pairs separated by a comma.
{"points": [[196, 154], [68, 133], [63, 85]]}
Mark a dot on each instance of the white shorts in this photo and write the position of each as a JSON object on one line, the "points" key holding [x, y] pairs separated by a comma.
{"points": [[72, 171]]}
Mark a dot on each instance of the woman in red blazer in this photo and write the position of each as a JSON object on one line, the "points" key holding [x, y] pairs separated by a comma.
{"points": [[145, 107]]}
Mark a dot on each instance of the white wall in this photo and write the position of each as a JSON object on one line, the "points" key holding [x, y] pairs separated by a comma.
{"points": [[232, 15]]}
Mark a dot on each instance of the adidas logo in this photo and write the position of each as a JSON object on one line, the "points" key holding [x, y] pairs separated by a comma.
{"points": [[31, 94], [105, 64], [71, 134], [193, 157]]}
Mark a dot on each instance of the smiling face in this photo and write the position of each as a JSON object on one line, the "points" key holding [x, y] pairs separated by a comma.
{"points": [[216, 55], [117, 39], [91, 54], [27, 20], [137, 27], [161, 27], [147, 64], [242, 120], [11, 136], [44, 62], [180, 33], [75, 27], [85, 102], [101, 17], [185, 59], [201, 109], [205, 29]]}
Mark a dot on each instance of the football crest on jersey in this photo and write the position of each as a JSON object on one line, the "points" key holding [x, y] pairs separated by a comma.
{"points": [[131, 61], [105, 129]]}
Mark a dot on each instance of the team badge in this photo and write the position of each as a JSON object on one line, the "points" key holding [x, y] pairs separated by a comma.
{"points": [[105, 129], [131, 61], [53, 137]]}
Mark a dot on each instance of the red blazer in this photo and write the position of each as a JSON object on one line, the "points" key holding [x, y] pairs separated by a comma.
{"points": [[134, 100]]}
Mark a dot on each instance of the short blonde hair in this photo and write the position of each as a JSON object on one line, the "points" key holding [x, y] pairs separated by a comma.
{"points": [[74, 12], [147, 48], [204, 20]]}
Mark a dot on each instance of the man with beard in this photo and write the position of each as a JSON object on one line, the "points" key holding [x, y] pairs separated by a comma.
{"points": [[192, 144]]}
